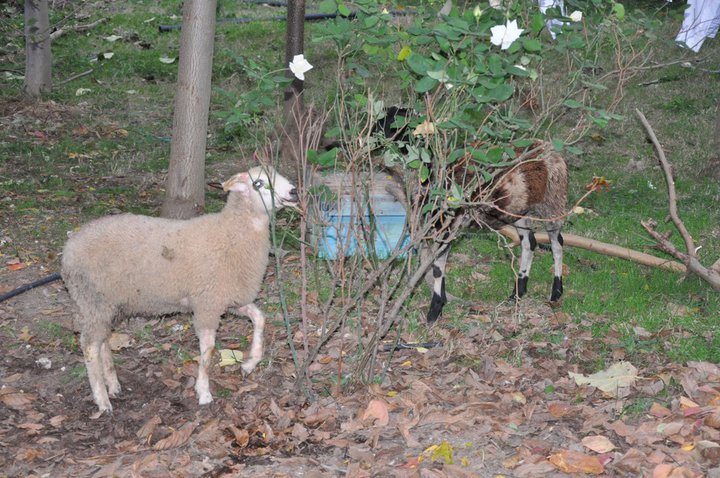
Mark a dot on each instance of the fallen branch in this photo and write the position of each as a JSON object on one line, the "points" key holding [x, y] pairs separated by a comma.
{"points": [[602, 248], [689, 258], [75, 28]]}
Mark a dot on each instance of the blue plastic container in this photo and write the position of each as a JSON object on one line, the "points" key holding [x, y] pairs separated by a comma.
{"points": [[341, 233]]}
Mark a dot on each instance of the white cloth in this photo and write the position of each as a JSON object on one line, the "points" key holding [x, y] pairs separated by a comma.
{"points": [[544, 5], [702, 19]]}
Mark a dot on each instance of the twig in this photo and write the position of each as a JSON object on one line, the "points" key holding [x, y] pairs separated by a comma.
{"points": [[690, 257], [75, 77], [76, 28]]}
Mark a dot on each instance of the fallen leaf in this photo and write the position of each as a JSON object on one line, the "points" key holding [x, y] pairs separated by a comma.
{"points": [[618, 376], [659, 411], [377, 410], [426, 128], [242, 437], [598, 443], [16, 400], [113, 38], [167, 60], [118, 341], [177, 438], [230, 357], [575, 462], [16, 266], [148, 428]]}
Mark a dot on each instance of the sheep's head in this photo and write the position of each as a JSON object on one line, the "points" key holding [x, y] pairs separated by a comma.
{"points": [[265, 187]]}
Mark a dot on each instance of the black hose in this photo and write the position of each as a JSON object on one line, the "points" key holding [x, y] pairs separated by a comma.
{"points": [[308, 17], [32, 285]]}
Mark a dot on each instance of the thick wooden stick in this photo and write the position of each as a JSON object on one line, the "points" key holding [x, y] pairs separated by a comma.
{"points": [[602, 248]]}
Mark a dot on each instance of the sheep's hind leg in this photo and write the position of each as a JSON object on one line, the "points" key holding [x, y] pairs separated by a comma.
{"points": [[109, 374], [256, 348], [556, 243], [528, 245], [92, 353]]}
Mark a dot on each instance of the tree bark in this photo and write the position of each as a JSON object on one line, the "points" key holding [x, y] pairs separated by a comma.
{"points": [[294, 107], [38, 57], [185, 193]]}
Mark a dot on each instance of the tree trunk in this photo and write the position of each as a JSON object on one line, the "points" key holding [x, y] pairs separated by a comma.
{"points": [[185, 194], [38, 58], [294, 45]]}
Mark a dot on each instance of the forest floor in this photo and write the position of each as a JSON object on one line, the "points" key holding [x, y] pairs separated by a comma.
{"points": [[497, 400]]}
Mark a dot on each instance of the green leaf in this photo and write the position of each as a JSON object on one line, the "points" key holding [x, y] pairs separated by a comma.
{"points": [[532, 44], [537, 22], [418, 63], [424, 173], [619, 11], [558, 144], [426, 84], [570, 103], [328, 6], [404, 53], [345, 11], [370, 21], [501, 92]]}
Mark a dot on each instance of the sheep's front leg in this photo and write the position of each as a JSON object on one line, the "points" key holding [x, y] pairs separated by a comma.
{"points": [[256, 348], [92, 353], [207, 345], [528, 245]]}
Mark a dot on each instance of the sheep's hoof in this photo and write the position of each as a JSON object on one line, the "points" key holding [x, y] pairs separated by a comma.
{"points": [[114, 390], [249, 366], [205, 398], [102, 410]]}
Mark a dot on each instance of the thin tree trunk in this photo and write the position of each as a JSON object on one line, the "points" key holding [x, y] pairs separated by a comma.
{"points": [[294, 45], [185, 194], [38, 57]]}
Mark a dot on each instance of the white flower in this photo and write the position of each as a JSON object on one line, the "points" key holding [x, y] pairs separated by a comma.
{"points": [[496, 4], [477, 12], [299, 66], [504, 35], [576, 16]]}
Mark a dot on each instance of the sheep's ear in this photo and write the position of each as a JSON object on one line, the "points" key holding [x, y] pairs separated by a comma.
{"points": [[238, 183]]}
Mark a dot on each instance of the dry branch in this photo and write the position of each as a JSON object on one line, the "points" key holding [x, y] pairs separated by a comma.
{"points": [[689, 258], [602, 248]]}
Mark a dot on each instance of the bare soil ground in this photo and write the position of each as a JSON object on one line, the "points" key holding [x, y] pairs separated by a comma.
{"points": [[494, 400]]}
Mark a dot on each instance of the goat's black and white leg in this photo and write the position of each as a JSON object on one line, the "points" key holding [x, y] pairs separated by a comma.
{"points": [[439, 298], [528, 245], [556, 243]]}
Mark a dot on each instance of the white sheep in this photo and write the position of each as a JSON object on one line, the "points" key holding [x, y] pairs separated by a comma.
{"points": [[128, 264]]}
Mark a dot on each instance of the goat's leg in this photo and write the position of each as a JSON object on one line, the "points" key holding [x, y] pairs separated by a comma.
{"points": [[256, 348], [528, 245], [109, 374], [439, 298], [556, 243]]}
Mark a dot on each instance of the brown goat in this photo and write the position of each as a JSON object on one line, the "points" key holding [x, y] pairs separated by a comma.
{"points": [[533, 188]]}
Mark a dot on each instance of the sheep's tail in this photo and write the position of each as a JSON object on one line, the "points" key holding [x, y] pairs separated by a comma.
{"points": [[32, 285]]}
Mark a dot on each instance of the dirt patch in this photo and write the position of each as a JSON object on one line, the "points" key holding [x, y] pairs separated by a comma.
{"points": [[496, 399]]}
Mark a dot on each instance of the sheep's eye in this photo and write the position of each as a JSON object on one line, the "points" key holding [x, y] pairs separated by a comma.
{"points": [[257, 184]]}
